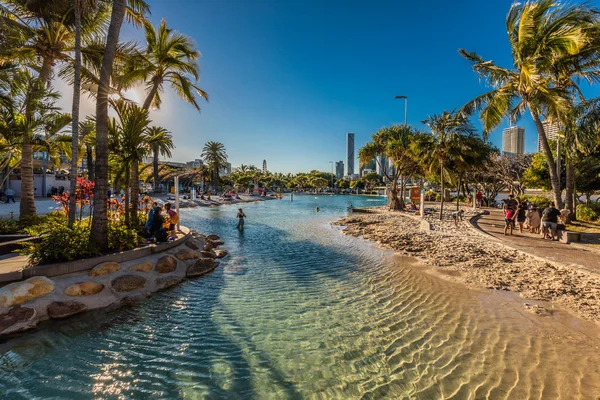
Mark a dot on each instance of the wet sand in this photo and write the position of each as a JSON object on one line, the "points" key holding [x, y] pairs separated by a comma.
{"points": [[465, 256]]}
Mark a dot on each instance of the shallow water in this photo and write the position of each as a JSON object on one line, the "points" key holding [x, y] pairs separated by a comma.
{"points": [[299, 311]]}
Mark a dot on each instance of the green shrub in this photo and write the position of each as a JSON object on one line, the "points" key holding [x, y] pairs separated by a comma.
{"points": [[12, 226], [58, 242], [9, 226], [538, 201], [586, 213]]}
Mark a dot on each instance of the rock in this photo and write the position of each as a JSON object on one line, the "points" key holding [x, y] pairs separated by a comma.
{"points": [[213, 237], [191, 244], [208, 246], [105, 268], [17, 319], [186, 254], [216, 243], [201, 266], [143, 267], [84, 289], [209, 254], [20, 292], [221, 253], [128, 283], [166, 265], [133, 299], [64, 309], [199, 236], [167, 281]]}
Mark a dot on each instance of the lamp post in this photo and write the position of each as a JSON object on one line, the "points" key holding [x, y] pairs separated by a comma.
{"points": [[331, 162], [405, 108]]}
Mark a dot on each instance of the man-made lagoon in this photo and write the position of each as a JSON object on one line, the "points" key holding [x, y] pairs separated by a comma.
{"points": [[299, 311]]}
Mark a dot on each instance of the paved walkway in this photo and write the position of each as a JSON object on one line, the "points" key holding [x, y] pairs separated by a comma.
{"points": [[575, 255]]}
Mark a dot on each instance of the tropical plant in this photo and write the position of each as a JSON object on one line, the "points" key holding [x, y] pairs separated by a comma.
{"points": [[161, 143], [215, 157], [551, 45], [448, 143]]}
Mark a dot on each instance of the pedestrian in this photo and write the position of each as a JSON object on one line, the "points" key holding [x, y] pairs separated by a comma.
{"points": [[478, 199], [173, 220], [240, 217], [456, 215], [534, 220], [521, 215], [509, 219], [550, 222], [10, 195]]}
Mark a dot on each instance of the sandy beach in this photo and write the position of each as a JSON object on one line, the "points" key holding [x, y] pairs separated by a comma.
{"points": [[461, 253]]}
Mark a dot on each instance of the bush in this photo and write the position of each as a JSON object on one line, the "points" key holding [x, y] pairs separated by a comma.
{"points": [[586, 213], [58, 242], [9, 226], [538, 201]]}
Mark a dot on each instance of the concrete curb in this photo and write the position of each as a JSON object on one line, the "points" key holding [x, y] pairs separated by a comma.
{"points": [[51, 270]]}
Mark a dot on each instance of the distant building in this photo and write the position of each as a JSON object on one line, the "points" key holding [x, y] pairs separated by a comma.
{"points": [[264, 166], [381, 165], [350, 154], [225, 170], [197, 163], [551, 130], [372, 165], [513, 140], [366, 171], [339, 169]]}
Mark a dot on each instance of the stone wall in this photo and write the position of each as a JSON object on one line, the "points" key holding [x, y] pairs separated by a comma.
{"points": [[25, 303]]}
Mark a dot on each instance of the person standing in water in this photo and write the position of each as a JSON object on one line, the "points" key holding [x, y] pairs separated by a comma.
{"points": [[240, 217]]}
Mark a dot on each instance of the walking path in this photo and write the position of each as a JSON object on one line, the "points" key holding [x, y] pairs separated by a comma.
{"points": [[574, 255]]}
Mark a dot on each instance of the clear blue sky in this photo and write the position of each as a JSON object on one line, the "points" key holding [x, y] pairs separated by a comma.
{"points": [[287, 79]]}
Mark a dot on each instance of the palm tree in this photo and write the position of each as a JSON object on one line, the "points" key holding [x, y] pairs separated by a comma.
{"points": [[542, 35], [394, 144], [87, 138], [446, 144], [161, 142], [170, 57], [215, 157]]}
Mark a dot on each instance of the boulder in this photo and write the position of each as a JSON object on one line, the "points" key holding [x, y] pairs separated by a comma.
{"points": [[105, 268], [186, 254], [167, 281], [216, 243], [84, 289], [128, 283], [201, 266], [212, 237], [208, 246], [17, 319], [199, 236], [165, 265], [221, 253], [191, 244], [20, 292], [133, 298], [209, 254], [143, 267], [64, 309]]}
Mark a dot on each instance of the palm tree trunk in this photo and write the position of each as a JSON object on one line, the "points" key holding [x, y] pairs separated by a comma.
{"points": [[570, 189], [155, 170], [99, 233], [549, 160], [135, 192], [90, 162], [150, 96], [75, 113], [442, 196], [127, 203], [27, 205]]}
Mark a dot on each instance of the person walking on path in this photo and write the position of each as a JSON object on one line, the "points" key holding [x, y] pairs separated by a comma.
{"points": [[478, 199], [521, 215], [240, 216], [509, 220], [550, 222], [10, 195], [534, 220]]}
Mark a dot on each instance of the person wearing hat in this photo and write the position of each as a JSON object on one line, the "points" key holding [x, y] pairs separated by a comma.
{"points": [[240, 217]]}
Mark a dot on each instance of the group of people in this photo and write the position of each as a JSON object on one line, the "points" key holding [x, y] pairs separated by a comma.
{"points": [[527, 216], [158, 227]]}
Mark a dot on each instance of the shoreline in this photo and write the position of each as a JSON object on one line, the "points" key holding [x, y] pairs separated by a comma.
{"points": [[460, 255], [215, 202]]}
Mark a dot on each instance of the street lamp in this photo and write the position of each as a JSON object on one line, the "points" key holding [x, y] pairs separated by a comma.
{"points": [[405, 108]]}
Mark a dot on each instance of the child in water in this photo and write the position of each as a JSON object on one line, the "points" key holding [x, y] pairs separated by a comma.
{"points": [[240, 217]]}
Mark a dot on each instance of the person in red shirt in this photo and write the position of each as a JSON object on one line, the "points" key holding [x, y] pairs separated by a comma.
{"points": [[478, 198], [509, 216]]}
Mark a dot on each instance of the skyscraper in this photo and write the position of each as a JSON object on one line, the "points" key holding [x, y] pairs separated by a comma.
{"points": [[513, 140], [339, 169], [350, 154], [264, 165], [381, 165], [551, 130]]}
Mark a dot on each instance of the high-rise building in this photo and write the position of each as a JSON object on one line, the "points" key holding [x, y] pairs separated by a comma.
{"points": [[381, 165], [513, 140], [350, 154], [551, 130], [264, 165], [339, 169]]}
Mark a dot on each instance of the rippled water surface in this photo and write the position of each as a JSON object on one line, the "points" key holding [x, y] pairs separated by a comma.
{"points": [[299, 311]]}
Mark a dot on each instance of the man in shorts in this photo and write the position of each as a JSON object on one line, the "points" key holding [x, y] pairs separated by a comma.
{"points": [[550, 222]]}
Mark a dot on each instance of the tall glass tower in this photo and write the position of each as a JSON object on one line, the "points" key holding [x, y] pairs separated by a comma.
{"points": [[350, 154]]}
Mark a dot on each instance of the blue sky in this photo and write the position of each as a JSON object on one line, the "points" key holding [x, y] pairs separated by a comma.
{"points": [[288, 79]]}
